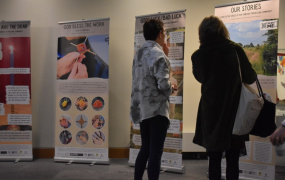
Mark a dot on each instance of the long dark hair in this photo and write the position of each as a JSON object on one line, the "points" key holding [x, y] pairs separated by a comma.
{"points": [[212, 27]]}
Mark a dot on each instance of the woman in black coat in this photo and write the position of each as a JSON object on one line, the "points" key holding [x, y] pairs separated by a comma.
{"points": [[215, 66]]}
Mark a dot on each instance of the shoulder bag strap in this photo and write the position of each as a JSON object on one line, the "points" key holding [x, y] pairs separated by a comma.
{"points": [[259, 89], [260, 92], [239, 67]]}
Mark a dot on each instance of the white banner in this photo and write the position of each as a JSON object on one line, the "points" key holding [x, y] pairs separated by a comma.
{"points": [[82, 92], [254, 25]]}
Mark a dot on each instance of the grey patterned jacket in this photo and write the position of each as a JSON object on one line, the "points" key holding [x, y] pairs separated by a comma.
{"points": [[151, 87]]}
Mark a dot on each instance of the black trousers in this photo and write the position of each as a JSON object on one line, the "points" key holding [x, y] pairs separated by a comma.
{"points": [[232, 160], [153, 133]]}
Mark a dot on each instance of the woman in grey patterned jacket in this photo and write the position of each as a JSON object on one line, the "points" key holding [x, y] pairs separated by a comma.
{"points": [[151, 89]]}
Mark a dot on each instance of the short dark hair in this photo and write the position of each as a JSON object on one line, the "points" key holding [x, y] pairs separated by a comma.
{"points": [[151, 29], [211, 27]]}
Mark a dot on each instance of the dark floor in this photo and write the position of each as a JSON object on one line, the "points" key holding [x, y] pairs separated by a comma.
{"points": [[118, 169]]}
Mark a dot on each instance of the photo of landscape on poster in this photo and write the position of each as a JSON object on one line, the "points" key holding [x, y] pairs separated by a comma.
{"points": [[260, 45]]}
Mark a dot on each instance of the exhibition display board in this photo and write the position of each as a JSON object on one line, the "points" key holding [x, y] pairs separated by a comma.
{"points": [[174, 23], [82, 92], [15, 92], [281, 76], [254, 25]]}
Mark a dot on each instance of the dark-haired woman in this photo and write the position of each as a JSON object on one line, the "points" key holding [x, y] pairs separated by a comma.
{"points": [[151, 89], [215, 66]]}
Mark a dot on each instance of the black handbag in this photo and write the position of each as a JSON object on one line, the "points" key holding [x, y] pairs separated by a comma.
{"points": [[265, 123]]}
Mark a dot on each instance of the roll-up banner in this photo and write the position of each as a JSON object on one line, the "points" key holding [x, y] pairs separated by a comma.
{"points": [[174, 23], [254, 25], [15, 92], [281, 77], [82, 92]]}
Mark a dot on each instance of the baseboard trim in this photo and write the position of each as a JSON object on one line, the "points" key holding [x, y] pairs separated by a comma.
{"points": [[119, 152], [44, 153]]}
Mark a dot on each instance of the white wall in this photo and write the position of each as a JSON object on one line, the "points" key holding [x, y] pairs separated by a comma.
{"points": [[44, 16]]}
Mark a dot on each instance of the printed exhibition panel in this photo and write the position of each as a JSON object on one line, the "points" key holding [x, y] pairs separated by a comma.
{"points": [[15, 91], [82, 92], [174, 23], [254, 25], [281, 76]]}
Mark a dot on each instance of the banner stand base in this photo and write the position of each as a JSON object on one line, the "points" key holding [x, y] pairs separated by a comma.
{"points": [[166, 168], [77, 160], [241, 177], [17, 159]]}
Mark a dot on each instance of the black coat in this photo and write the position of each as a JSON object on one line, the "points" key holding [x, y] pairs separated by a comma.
{"points": [[215, 66]]}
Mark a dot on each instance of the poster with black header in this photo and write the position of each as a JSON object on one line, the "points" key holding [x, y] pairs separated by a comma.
{"points": [[82, 92], [174, 23], [254, 25], [15, 92]]}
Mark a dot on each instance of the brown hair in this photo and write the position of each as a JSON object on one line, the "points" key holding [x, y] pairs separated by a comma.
{"points": [[151, 29], [211, 27]]}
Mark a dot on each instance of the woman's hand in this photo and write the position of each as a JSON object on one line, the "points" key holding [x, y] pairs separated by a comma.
{"points": [[65, 64], [79, 71], [165, 49], [278, 136]]}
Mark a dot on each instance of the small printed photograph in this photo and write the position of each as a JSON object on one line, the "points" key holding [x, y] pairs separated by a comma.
{"points": [[82, 137], [65, 137], [260, 45], [89, 51], [11, 127], [81, 103], [98, 103], [98, 138], [281, 64], [65, 103], [98, 121], [81, 121], [65, 121]]}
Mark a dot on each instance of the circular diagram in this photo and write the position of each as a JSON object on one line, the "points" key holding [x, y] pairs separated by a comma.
{"points": [[98, 103], [82, 137], [98, 121], [65, 103], [81, 103], [98, 138], [65, 137], [81, 121], [65, 121]]}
